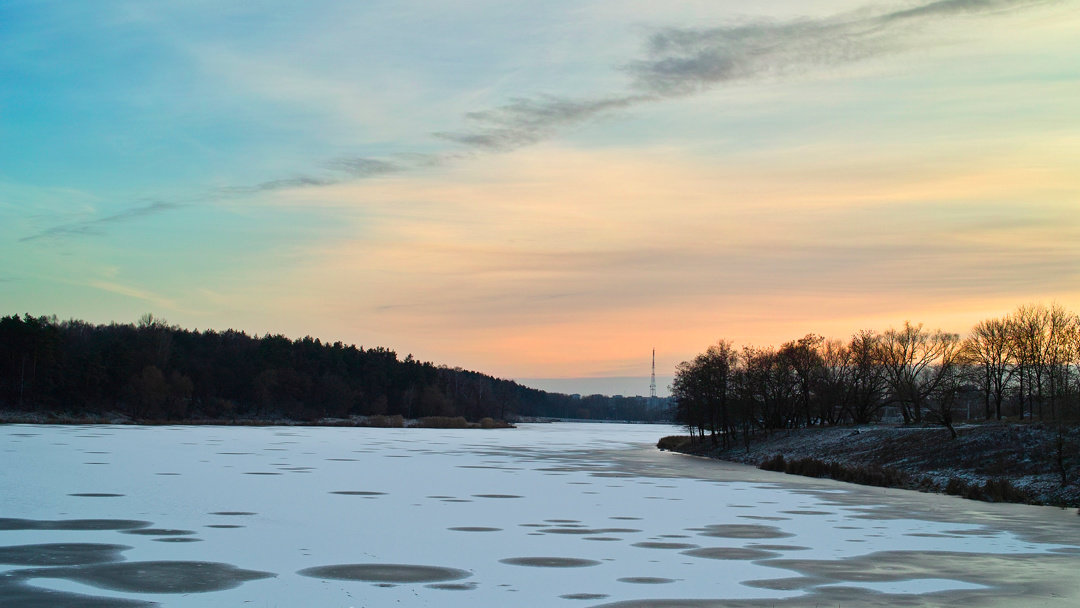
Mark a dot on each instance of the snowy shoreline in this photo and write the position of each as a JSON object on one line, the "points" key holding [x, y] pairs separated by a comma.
{"points": [[919, 458], [442, 422]]}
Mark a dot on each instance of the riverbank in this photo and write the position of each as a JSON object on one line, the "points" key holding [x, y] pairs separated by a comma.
{"points": [[396, 421], [997, 462]]}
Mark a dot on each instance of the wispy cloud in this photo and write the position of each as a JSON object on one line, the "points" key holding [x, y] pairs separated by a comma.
{"points": [[526, 121], [97, 226], [348, 168], [676, 62], [686, 61], [683, 61], [359, 167], [133, 292]]}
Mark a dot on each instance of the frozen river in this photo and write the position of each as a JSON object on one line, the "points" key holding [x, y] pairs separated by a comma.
{"points": [[541, 515]]}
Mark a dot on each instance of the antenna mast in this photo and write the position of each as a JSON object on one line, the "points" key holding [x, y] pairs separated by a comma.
{"points": [[652, 382]]}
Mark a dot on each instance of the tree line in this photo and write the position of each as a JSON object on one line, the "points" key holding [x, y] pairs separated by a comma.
{"points": [[151, 370], [1025, 365]]}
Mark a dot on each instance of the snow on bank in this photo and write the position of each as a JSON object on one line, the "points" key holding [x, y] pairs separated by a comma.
{"points": [[1023, 454]]}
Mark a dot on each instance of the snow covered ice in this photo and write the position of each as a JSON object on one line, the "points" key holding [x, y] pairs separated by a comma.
{"points": [[541, 515]]}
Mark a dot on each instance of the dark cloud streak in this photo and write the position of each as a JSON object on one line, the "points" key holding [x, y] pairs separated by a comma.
{"points": [[683, 61], [96, 226], [361, 167], [525, 121]]}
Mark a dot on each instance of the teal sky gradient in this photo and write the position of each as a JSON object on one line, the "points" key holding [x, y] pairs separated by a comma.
{"points": [[540, 190]]}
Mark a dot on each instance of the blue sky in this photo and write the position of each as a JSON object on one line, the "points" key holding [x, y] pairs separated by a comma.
{"points": [[542, 190]]}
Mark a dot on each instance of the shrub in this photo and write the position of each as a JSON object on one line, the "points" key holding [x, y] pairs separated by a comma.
{"points": [[394, 422], [776, 463], [812, 467], [675, 443], [956, 486], [1002, 490], [442, 422]]}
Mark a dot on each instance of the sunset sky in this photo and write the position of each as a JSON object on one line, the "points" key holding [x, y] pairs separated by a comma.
{"points": [[540, 189]]}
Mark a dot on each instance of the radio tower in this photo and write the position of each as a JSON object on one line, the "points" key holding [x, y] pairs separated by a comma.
{"points": [[652, 382]]}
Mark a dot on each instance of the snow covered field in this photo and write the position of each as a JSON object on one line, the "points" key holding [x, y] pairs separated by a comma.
{"points": [[541, 515]]}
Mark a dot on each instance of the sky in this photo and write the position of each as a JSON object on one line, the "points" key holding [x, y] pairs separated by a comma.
{"points": [[540, 190]]}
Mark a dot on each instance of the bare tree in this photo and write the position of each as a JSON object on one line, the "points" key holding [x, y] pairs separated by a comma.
{"points": [[916, 363], [991, 351], [833, 382], [803, 358], [867, 383], [944, 380], [703, 389], [1060, 327], [1031, 330]]}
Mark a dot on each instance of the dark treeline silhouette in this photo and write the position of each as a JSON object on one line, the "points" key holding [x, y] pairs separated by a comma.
{"points": [[1025, 365], [154, 371]]}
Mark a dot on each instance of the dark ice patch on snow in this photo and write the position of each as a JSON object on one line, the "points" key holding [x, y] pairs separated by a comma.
{"points": [[974, 532], [453, 586], [646, 580], [159, 532], [386, 573], [1066, 550], [742, 531], [233, 513], [584, 596], [151, 577], [550, 562], [779, 547], [223, 526], [793, 583], [496, 496], [14, 592], [61, 554], [474, 529], [662, 545], [730, 553], [96, 495], [589, 531], [358, 493], [7, 523], [177, 539]]}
